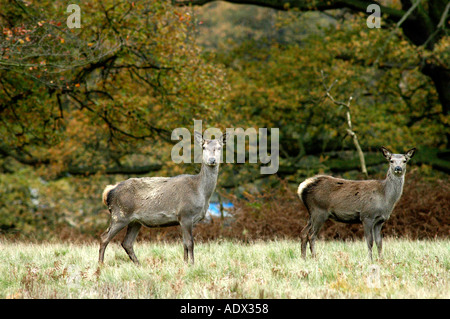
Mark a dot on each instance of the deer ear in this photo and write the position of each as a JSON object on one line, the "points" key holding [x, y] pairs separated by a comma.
{"points": [[198, 137], [410, 153], [386, 152]]}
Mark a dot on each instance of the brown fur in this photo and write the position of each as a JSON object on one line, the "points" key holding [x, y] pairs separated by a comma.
{"points": [[163, 201], [336, 195], [368, 202]]}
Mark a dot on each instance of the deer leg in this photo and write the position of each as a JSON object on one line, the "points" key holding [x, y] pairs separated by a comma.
{"points": [[115, 227], [378, 238], [304, 237], [128, 241], [317, 220], [368, 233], [188, 240]]}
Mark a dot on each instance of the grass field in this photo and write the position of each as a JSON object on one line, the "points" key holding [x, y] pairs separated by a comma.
{"points": [[225, 269]]}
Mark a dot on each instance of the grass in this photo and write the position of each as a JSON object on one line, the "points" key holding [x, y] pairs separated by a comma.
{"points": [[226, 269]]}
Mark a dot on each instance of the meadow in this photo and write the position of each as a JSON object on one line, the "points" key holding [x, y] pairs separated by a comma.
{"points": [[226, 269]]}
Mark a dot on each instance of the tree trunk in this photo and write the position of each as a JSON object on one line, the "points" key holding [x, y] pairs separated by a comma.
{"points": [[441, 79]]}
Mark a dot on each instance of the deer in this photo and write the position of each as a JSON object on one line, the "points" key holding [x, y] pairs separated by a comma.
{"points": [[163, 201], [369, 202]]}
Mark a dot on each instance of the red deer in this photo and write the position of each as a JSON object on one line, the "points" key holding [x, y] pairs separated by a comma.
{"points": [[369, 202], [163, 201]]}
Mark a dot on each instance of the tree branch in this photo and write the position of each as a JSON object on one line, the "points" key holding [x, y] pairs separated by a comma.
{"points": [[125, 170], [84, 171], [397, 26], [305, 5], [349, 123], [440, 26], [6, 152]]}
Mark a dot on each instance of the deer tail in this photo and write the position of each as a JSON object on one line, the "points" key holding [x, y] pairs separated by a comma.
{"points": [[105, 193]]}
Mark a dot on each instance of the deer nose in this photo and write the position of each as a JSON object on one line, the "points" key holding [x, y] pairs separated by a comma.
{"points": [[398, 169], [212, 161]]}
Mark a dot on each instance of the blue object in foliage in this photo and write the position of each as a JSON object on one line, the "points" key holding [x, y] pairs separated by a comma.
{"points": [[214, 208]]}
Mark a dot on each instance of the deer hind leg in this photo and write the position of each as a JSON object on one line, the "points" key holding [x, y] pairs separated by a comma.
{"points": [[115, 226], [304, 237], [128, 241], [318, 218]]}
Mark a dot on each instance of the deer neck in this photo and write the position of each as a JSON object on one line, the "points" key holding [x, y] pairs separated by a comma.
{"points": [[393, 187], [208, 179]]}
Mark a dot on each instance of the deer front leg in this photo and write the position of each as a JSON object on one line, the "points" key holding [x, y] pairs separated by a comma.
{"points": [[368, 233], [378, 238], [188, 240]]}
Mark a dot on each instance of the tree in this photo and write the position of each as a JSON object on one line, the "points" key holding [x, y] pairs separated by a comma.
{"points": [[426, 25], [276, 82], [89, 100], [82, 108]]}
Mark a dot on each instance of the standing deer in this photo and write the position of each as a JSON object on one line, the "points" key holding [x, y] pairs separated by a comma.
{"points": [[369, 202], [163, 201]]}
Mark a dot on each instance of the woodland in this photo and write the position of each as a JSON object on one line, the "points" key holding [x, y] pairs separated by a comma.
{"points": [[81, 108]]}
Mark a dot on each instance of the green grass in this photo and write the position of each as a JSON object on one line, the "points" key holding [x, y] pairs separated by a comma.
{"points": [[225, 269]]}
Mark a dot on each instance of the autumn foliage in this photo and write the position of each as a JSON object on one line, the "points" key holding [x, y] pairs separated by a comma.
{"points": [[83, 108], [421, 213]]}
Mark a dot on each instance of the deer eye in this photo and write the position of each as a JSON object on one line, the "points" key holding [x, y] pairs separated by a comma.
{"points": [[392, 161], [404, 161]]}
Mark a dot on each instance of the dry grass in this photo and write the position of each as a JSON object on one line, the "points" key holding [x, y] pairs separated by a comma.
{"points": [[226, 269]]}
